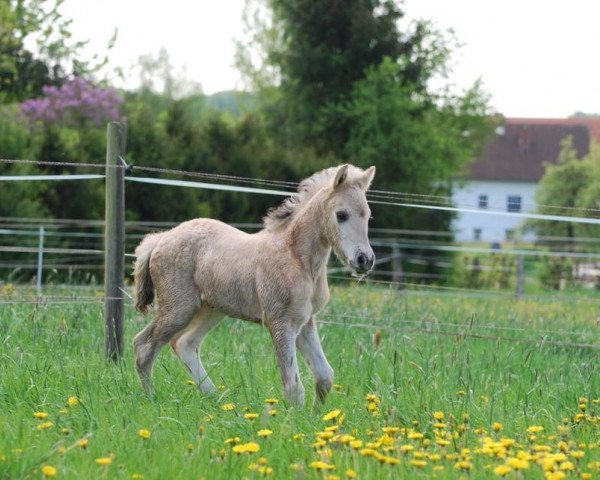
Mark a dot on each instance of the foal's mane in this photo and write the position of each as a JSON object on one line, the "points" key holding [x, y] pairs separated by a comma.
{"points": [[280, 217]]}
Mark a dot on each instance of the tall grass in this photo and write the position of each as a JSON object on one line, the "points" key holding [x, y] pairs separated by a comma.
{"points": [[519, 363]]}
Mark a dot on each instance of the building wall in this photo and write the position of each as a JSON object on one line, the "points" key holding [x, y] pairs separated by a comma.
{"points": [[492, 228]]}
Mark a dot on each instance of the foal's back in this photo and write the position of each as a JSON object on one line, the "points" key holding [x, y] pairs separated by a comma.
{"points": [[223, 266]]}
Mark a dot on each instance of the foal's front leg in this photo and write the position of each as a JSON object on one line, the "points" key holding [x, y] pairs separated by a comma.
{"points": [[284, 341], [310, 346]]}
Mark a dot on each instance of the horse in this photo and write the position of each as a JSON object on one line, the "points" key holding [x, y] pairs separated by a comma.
{"points": [[203, 270]]}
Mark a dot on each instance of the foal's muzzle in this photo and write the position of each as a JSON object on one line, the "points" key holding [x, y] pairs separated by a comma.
{"points": [[362, 263]]}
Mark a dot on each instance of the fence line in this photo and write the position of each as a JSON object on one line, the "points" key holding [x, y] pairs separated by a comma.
{"points": [[540, 342], [445, 200]]}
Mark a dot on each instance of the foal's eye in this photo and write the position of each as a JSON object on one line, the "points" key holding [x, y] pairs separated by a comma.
{"points": [[342, 216]]}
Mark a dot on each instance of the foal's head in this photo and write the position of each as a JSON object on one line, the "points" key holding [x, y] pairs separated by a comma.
{"points": [[347, 218]]}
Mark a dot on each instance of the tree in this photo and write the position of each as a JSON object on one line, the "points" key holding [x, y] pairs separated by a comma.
{"points": [[560, 192], [37, 49], [421, 146], [352, 86]]}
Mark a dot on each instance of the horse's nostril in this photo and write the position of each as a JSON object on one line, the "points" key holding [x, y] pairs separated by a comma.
{"points": [[361, 260]]}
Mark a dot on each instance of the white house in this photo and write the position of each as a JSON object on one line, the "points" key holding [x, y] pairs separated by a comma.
{"points": [[505, 177]]}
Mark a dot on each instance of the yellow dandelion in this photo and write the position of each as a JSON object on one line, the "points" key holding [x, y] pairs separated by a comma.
{"points": [[368, 452], [418, 463], [370, 397], [535, 429], [190, 382], [250, 416], [325, 435], [45, 425], [48, 471], [578, 454], [144, 434], [40, 415], [320, 465], [517, 463], [252, 447], [233, 440], [463, 465], [390, 430], [319, 443], [502, 470], [391, 460], [265, 432], [439, 416], [331, 415], [72, 401], [228, 407], [350, 473], [63, 411], [65, 431], [61, 450], [82, 443], [356, 444], [239, 449], [103, 460], [273, 412], [567, 466], [264, 470], [496, 426], [271, 401]]}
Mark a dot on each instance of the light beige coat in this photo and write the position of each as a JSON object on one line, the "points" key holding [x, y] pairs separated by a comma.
{"points": [[204, 270]]}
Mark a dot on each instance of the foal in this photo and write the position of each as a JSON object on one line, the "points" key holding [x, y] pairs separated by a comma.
{"points": [[203, 270]]}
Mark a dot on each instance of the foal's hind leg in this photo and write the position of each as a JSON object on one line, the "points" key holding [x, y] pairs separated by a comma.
{"points": [[172, 318], [186, 344], [310, 346]]}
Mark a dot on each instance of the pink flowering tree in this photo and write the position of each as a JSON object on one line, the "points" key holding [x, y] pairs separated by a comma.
{"points": [[72, 104]]}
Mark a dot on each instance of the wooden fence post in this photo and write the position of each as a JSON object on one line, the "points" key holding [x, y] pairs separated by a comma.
{"points": [[398, 275], [520, 277], [114, 241]]}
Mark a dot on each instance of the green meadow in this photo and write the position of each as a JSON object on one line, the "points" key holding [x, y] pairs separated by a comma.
{"points": [[426, 384]]}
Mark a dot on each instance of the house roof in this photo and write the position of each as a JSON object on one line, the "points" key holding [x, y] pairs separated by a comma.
{"points": [[521, 147]]}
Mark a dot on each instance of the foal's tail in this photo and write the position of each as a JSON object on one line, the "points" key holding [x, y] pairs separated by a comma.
{"points": [[143, 289]]}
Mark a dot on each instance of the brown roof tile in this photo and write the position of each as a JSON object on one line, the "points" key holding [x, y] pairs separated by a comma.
{"points": [[520, 148]]}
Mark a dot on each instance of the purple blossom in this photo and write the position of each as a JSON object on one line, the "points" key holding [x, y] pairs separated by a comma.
{"points": [[73, 103]]}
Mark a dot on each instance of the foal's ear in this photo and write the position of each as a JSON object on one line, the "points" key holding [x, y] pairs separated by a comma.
{"points": [[340, 176], [367, 177]]}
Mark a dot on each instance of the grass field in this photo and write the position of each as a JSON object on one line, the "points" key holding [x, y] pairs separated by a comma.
{"points": [[442, 385]]}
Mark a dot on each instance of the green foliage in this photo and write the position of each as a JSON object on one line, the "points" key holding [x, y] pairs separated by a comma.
{"points": [[37, 49], [570, 188], [345, 81], [419, 145]]}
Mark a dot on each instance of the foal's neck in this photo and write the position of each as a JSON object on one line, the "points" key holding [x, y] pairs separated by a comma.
{"points": [[307, 238]]}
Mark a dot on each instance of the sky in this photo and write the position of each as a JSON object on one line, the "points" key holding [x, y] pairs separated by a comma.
{"points": [[536, 58]]}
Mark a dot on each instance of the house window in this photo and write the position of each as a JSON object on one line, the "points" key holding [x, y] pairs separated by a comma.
{"points": [[513, 203], [477, 234], [483, 201]]}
